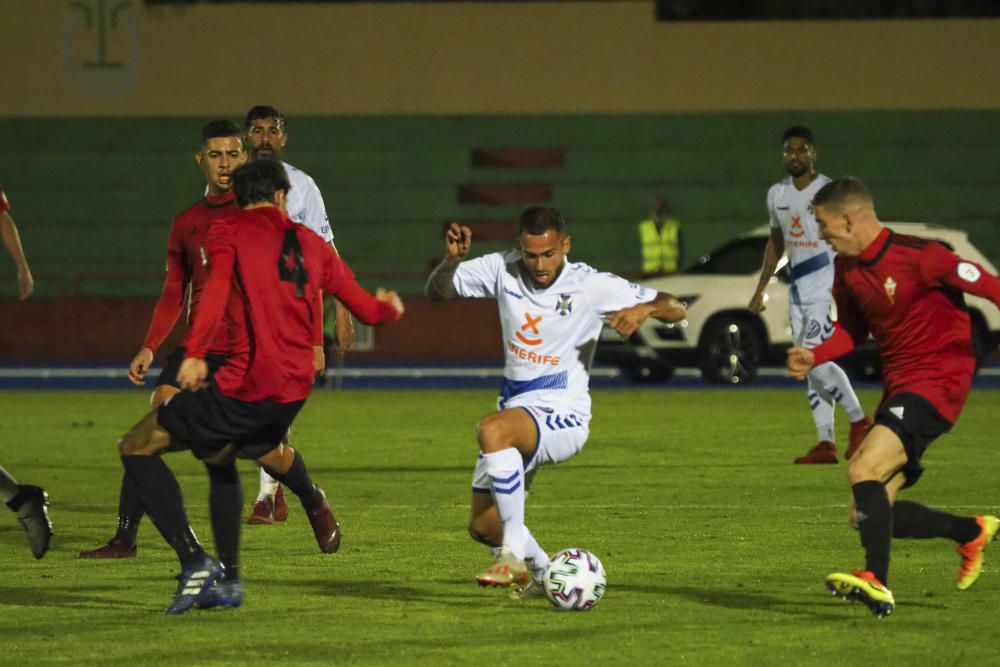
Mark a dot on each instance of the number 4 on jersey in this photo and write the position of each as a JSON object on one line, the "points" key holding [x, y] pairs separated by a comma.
{"points": [[291, 268]]}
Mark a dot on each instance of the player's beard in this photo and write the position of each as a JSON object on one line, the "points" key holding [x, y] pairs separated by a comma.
{"points": [[796, 169], [269, 152]]}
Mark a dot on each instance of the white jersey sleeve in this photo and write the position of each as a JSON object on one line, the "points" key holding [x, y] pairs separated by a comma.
{"points": [[305, 203], [771, 213], [479, 277], [609, 293]]}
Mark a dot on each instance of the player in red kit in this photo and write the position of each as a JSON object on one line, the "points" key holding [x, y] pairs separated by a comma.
{"points": [[276, 272], [30, 503], [907, 292], [221, 152]]}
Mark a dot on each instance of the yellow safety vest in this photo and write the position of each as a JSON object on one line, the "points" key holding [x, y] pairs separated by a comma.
{"points": [[660, 250]]}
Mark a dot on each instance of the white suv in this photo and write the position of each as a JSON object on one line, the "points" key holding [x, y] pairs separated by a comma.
{"points": [[729, 343]]}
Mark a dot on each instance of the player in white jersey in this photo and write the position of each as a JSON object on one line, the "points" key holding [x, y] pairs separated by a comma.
{"points": [[794, 231], [551, 313], [266, 137]]}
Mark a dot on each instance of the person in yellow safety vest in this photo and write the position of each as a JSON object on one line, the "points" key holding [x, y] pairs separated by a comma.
{"points": [[662, 244]]}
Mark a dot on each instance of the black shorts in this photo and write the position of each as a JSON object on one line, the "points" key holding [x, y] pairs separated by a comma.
{"points": [[917, 423], [206, 421], [168, 376]]}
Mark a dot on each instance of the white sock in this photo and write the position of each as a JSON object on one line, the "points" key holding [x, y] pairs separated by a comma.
{"points": [[822, 412], [268, 486], [536, 558], [506, 472], [835, 382]]}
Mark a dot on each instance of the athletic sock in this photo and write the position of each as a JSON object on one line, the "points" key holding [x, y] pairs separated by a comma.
{"points": [[822, 414], [535, 556], [161, 499], [8, 487], [268, 485], [225, 497], [875, 525], [298, 482], [506, 472], [129, 512], [918, 522], [835, 382]]}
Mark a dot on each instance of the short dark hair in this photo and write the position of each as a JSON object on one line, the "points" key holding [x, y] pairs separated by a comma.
{"points": [[265, 111], [539, 219], [835, 193], [800, 131], [219, 128], [257, 181]]}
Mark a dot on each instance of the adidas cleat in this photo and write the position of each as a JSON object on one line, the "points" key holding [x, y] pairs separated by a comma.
{"points": [[865, 588], [225, 593], [972, 552], [506, 570], [191, 582]]}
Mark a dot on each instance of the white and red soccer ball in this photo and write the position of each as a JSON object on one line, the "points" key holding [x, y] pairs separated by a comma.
{"points": [[574, 580]]}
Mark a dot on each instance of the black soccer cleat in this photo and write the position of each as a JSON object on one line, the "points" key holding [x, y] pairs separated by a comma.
{"points": [[32, 511]]}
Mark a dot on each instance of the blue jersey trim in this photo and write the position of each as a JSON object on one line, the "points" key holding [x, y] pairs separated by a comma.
{"points": [[511, 388], [811, 265]]}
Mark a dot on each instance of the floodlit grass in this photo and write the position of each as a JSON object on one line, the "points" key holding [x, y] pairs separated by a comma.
{"points": [[716, 546]]}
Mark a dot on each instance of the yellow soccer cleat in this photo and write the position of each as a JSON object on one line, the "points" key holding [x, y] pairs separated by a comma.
{"points": [[506, 570], [972, 552], [862, 586]]}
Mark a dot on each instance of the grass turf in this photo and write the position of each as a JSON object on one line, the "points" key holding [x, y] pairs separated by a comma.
{"points": [[716, 546]]}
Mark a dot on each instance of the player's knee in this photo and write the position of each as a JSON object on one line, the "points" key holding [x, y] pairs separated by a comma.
{"points": [[491, 434], [279, 459]]}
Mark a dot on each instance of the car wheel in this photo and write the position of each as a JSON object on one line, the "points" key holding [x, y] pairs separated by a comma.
{"points": [[730, 350], [647, 371]]}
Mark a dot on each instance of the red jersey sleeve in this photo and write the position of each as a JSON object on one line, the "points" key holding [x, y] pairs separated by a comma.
{"points": [[221, 250], [941, 267], [171, 301], [338, 280], [851, 327]]}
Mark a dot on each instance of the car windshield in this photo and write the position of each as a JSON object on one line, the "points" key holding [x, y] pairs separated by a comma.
{"points": [[737, 257]]}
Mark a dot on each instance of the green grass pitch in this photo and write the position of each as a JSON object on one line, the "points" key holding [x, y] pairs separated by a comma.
{"points": [[716, 546]]}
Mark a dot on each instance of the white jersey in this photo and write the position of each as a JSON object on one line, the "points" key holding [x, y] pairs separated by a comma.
{"points": [[549, 333], [810, 258], [305, 203]]}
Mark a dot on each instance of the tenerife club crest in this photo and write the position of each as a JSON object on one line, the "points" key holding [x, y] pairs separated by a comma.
{"points": [[564, 305]]}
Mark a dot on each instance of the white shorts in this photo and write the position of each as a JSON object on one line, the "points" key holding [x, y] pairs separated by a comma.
{"points": [[811, 323], [561, 434]]}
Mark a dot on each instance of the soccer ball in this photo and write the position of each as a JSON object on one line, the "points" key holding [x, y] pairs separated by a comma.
{"points": [[574, 580]]}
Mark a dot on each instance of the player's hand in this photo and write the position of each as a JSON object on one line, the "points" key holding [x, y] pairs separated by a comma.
{"points": [[319, 360], [800, 362], [458, 240], [343, 329], [139, 366], [757, 303], [25, 283], [193, 374], [392, 298], [628, 320]]}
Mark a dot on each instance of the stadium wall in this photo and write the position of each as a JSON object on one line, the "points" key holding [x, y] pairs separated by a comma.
{"points": [[388, 101]]}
